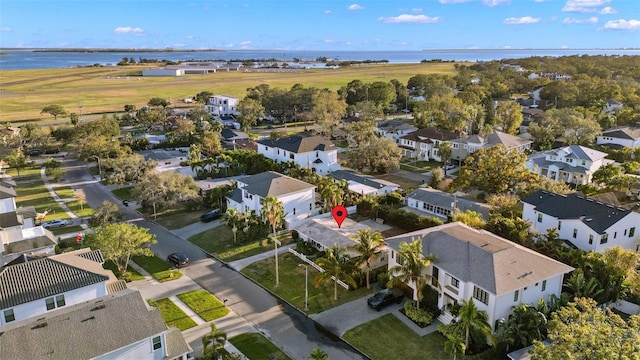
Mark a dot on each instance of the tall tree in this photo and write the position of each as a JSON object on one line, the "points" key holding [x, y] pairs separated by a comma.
{"points": [[412, 267], [165, 190], [327, 109], [105, 213], [54, 110], [470, 318], [75, 119], [273, 212], [369, 245], [213, 343], [118, 242], [338, 266], [17, 159], [509, 116], [250, 110], [378, 155], [444, 151]]}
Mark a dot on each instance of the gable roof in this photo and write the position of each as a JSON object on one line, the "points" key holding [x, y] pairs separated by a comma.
{"points": [[369, 181], [445, 200], [431, 132], [7, 192], [495, 138], [41, 278], [482, 258], [394, 125], [299, 144], [623, 132], [271, 183], [85, 330], [229, 134], [596, 215], [581, 152]]}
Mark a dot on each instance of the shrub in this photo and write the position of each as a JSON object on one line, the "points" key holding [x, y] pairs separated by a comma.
{"points": [[416, 314], [383, 279], [430, 300]]}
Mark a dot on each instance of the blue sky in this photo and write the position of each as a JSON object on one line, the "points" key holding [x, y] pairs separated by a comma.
{"points": [[321, 25]]}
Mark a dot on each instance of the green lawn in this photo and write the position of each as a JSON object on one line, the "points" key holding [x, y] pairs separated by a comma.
{"points": [[123, 193], [155, 266], [406, 184], [400, 342], [130, 275], [257, 347], [292, 284], [204, 304], [34, 193], [419, 166], [69, 197], [27, 173], [220, 240], [173, 315], [177, 218], [66, 229]]}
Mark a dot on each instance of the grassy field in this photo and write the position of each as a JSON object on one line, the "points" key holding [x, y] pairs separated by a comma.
{"points": [[292, 284], [257, 347], [173, 315], [400, 342], [24, 93], [207, 306], [35, 194], [159, 269]]}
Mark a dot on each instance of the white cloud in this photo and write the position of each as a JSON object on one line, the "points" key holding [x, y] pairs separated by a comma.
{"points": [[608, 10], [493, 3], [564, 47], [190, 37], [454, 1], [5, 29], [128, 30], [355, 7], [539, 1], [583, 6], [329, 41], [406, 18], [327, 11], [591, 20], [245, 43], [416, 10], [521, 20], [622, 25]]}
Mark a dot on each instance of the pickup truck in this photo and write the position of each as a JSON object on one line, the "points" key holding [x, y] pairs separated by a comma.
{"points": [[384, 297]]}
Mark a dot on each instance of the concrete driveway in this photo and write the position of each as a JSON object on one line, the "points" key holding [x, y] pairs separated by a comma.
{"points": [[196, 228]]}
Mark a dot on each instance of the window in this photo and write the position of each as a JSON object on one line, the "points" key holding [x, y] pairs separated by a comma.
{"points": [[632, 231], [50, 304], [60, 301], [291, 156], [480, 295], [540, 217], [294, 211], [575, 233], [544, 285], [559, 225], [615, 234], [9, 315], [435, 273], [604, 238], [53, 303], [516, 295], [590, 239], [455, 282], [157, 343]]}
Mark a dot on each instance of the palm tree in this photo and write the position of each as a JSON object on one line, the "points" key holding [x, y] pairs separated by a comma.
{"points": [[318, 354], [214, 343], [273, 213], [338, 266], [369, 245], [445, 151], [413, 263], [471, 318], [231, 219], [332, 195]]}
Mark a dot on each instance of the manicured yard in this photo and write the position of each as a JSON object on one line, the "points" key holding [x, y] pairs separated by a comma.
{"points": [[204, 304], [220, 240], [404, 183], [66, 229], [123, 193], [257, 347], [130, 275], [177, 218], [26, 173], [419, 166], [172, 314], [34, 193], [69, 197], [400, 342], [155, 266], [292, 284]]}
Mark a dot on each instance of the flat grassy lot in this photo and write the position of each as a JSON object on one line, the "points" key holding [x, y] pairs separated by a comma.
{"points": [[419, 166], [177, 218], [398, 342], [107, 89], [123, 193], [27, 173], [403, 182], [35, 194], [66, 229], [220, 240], [292, 284], [257, 347], [67, 194], [207, 306], [173, 315], [155, 266]]}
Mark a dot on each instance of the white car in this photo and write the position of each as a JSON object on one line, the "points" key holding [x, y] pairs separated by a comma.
{"points": [[449, 167], [56, 223]]}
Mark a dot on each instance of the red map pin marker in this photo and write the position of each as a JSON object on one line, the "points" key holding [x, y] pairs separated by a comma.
{"points": [[339, 214]]}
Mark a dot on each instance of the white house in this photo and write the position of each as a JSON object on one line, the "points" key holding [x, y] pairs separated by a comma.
{"points": [[220, 105], [571, 164], [394, 129], [36, 287], [365, 184], [495, 272], [612, 106], [423, 144], [588, 224], [622, 136], [162, 72], [297, 197], [442, 204], [115, 326], [313, 152], [462, 148]]}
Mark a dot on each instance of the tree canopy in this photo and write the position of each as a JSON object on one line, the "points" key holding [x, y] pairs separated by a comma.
{"points": [[118, 242], [54, 110]]}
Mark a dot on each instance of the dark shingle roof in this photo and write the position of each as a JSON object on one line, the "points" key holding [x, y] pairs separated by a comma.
{"points": [[597, 215], [623, 132], [7, 192], [360, 179], [228, 134], [10, 219], [431, 132], [445, 200], [86, 330], [271, 183], [41, 278], [482, 258], [298, 144]]}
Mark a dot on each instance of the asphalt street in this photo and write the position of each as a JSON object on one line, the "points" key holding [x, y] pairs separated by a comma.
{"points": [[286, 327]]}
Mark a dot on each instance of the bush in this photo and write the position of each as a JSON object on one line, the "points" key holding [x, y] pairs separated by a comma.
{"points": [[367, 207], [416, 314], [430, 300], [383, 279], [406, 220], [306, 248]]}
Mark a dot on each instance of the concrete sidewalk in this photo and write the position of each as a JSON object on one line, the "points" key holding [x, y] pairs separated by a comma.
{"points": [[242, 263]]}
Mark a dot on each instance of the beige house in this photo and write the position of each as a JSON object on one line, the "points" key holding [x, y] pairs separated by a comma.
{"points": [[462, 148]]}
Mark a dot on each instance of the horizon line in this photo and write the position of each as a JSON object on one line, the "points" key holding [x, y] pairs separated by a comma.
{"points": [[297, 50]]}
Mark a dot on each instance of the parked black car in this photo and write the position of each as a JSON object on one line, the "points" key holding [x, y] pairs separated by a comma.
{"points": [[385, 297], [211, 215], [177, 259]]}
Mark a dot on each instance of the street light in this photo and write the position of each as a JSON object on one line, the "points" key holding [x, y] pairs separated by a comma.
{"points": [[306, 286], [99, 166], [153, 193]]}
